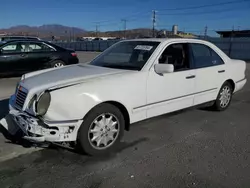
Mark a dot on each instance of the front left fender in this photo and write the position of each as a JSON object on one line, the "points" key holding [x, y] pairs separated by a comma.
{"points": [[69, 105], [75, 101]]}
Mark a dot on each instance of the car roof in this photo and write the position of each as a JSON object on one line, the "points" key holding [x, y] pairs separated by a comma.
{"points": [[166, 39], [170, 40], [10, 36], [22, 40]]}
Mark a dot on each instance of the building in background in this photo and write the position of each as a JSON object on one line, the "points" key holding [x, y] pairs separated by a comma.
{"points": [[233, 33], [175, 29]]}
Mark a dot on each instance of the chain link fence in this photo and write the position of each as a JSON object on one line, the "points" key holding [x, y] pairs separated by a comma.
{"points": [[93, 46], [237, 48]]}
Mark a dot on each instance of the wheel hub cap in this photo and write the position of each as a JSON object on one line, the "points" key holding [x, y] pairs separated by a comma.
{"points": [[225, 96], [103, 131], [58, 65]]}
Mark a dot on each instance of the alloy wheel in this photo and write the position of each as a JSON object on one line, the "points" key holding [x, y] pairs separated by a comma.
{"points": [[59, 64], [225, 96], [103, 131]]}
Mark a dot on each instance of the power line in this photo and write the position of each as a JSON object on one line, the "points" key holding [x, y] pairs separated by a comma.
{"points": [[183, 8], [126, 17], [199, 13], [208, 5], [176, 9]]}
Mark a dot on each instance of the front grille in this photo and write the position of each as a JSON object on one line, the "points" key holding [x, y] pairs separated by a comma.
{"points": [[20, 98]]}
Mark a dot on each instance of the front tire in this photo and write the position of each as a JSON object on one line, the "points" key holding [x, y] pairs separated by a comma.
{"points": [[224, 97], [101, 130]]}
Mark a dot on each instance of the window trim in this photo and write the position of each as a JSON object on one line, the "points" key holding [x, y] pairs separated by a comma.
{"points": [[41, 43], [210, 50], [156, 61]]}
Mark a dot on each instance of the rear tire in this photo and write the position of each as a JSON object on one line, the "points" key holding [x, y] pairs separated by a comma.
{"points": [[101, 130], [57, 63], [224, 97]]}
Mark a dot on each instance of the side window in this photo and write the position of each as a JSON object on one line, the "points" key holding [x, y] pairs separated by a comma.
{"points": [[216, 59], [204, 56], [13, 48], [178, 55], [38, 47]]}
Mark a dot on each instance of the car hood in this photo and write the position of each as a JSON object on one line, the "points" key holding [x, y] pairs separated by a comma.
{"points": [[65, 76]]}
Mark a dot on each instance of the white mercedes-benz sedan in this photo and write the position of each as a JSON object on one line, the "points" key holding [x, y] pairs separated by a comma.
{"points": [[92, 104]]}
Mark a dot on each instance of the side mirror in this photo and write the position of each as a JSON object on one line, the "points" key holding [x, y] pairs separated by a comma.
{"points": [[164, 68]]}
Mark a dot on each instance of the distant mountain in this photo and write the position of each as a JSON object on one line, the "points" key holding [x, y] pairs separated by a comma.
{"points": [[44, 30], [132, 33], [65, 33]]}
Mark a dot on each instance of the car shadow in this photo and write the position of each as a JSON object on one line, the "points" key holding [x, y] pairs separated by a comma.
{"points": [[3, 113], [3, 107], [122, 146], [10, 138], [11, 75]]}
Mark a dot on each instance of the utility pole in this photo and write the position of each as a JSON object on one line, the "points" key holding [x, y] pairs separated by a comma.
{"points": [[73, 34], [96, 29], [231, 41], [154, 20], [205, 32], [124, 26], [232, 34]]}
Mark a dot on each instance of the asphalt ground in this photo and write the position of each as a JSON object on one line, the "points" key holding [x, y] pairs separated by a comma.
{"points": [[189, 148]]}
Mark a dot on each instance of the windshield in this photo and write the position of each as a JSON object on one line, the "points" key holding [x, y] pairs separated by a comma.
{"points": [[131, 55]]}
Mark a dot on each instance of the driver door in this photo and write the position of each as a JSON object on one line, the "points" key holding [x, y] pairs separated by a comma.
{"points": [[171, 91]]}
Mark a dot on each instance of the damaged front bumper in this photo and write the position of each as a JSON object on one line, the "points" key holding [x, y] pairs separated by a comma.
{"points": [[37, 130]]}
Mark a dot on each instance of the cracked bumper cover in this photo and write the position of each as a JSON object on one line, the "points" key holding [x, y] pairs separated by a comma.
{"points": [[37, 130]]}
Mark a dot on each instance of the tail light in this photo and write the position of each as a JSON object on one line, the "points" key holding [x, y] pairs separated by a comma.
{"points": [[74, 54]]}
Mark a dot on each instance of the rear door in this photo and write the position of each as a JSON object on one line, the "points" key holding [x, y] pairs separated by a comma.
{"points": [[12, 56], [40, 54], [210, 73]]}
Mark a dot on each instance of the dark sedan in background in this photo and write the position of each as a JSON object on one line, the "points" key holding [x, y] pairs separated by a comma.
{"points": [[21, 56], [7, 38]]}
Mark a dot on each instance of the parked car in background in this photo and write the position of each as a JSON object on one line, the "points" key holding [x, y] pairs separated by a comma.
{"points": [[7, 38], [21, 56], [92, 104], [4, 39]]}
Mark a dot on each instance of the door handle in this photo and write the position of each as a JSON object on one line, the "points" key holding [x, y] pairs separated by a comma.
{"points": [[221, 71], [190, 77]]}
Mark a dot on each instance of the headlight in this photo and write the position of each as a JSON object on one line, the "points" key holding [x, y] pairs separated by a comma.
{"points": [[31, 103], [43, 103]]}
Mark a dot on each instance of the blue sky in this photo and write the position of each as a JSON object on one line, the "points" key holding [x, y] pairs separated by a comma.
{"points": [[85, 14]]}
